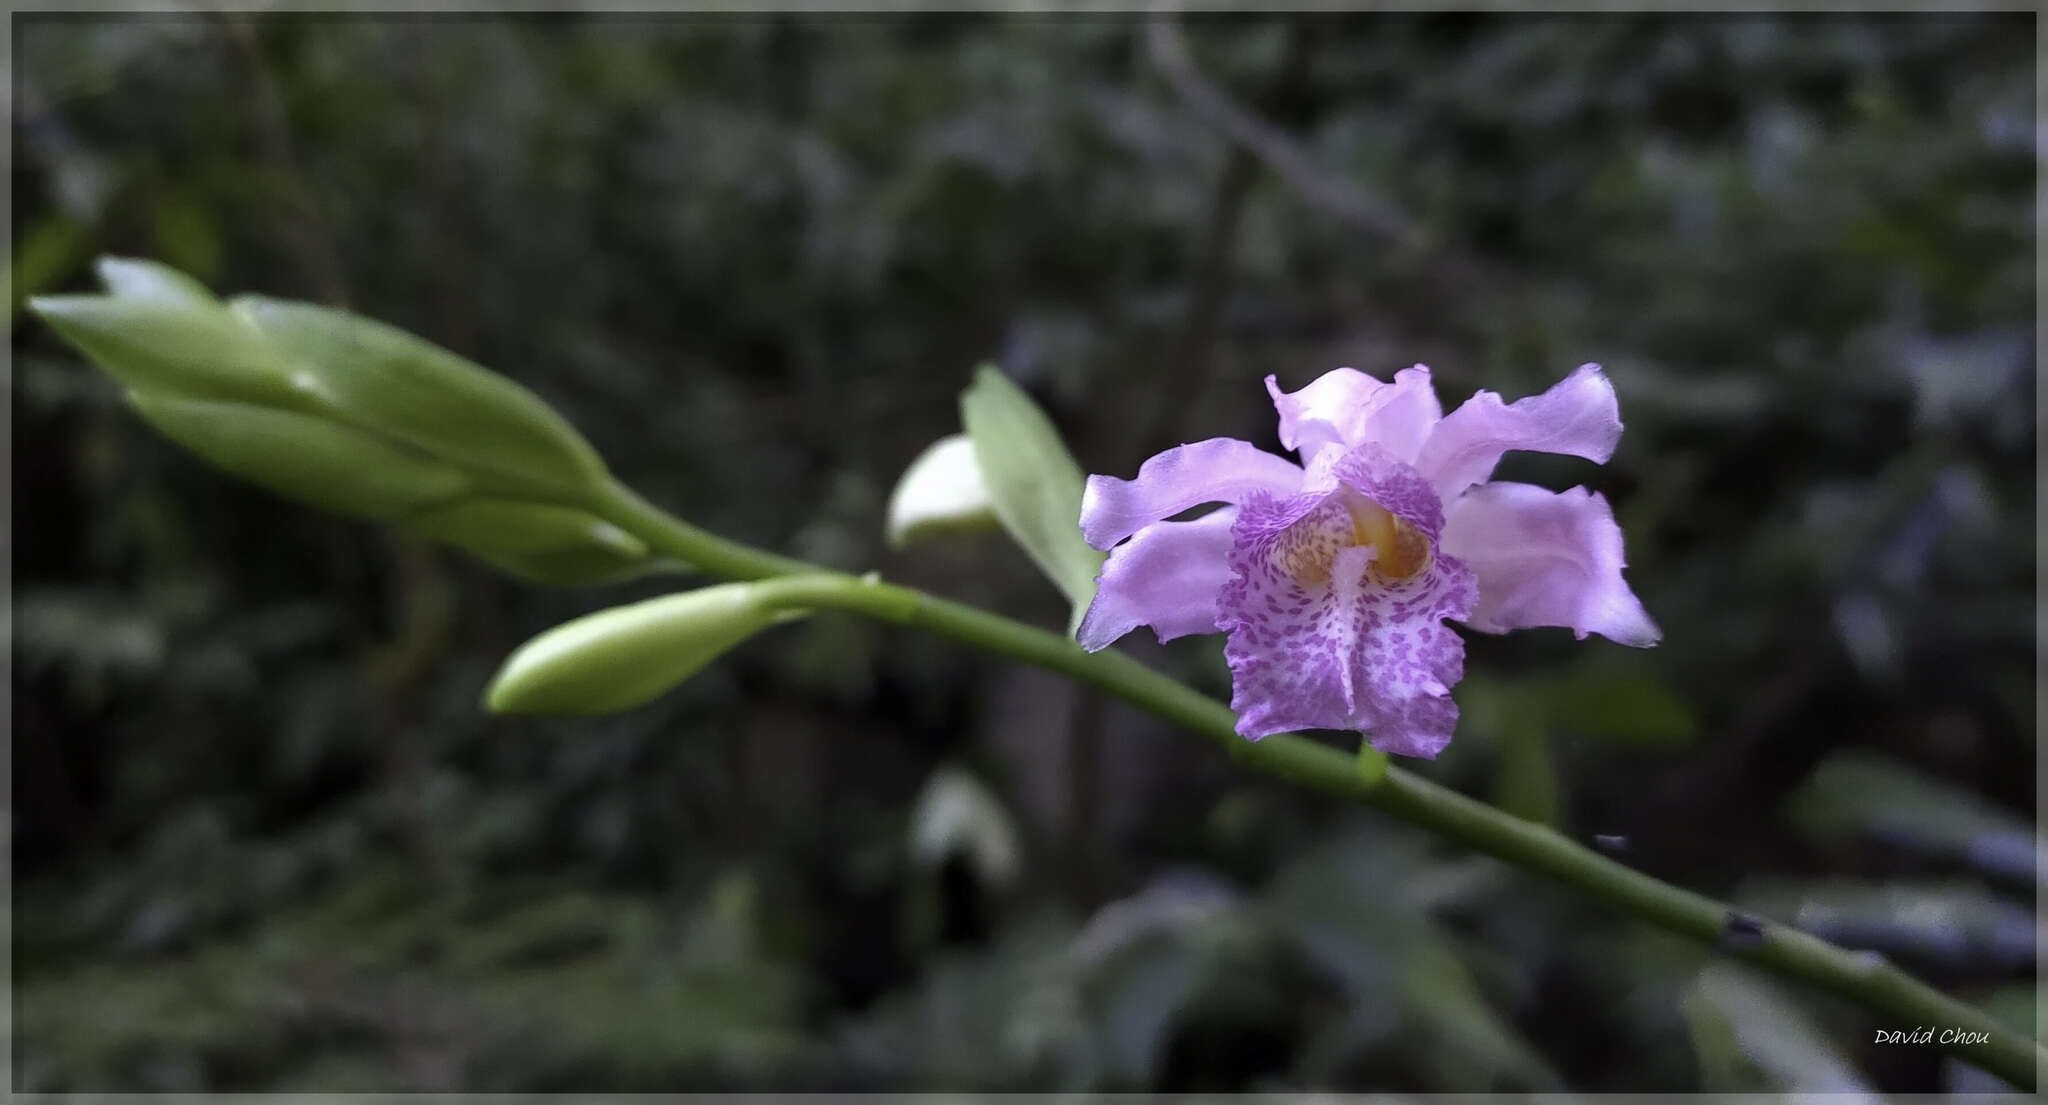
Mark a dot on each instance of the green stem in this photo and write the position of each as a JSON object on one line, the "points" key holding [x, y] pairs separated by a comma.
{"points": [[1862, 977], [664, 533]]}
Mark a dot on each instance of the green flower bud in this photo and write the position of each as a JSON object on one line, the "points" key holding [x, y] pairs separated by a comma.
{"points": [[128, 278], [536, 542], [418, 392], [941, 492], [619, 658], [165, 342], [303, 457]]}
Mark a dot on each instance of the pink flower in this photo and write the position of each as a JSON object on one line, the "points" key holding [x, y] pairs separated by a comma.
{"points": [[1333, 577]]}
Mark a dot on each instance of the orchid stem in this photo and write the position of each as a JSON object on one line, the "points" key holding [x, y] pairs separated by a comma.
{"points": [[1865, 978]]}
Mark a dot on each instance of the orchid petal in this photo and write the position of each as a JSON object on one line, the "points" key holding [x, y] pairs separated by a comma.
{"points": [[1166, 576], [1343, 648], [1578, 416], [1346, 408], [1545, 558], [1220, 469]]}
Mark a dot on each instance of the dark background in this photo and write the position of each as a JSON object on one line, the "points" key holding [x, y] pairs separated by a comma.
{"points": [[264, 837]]}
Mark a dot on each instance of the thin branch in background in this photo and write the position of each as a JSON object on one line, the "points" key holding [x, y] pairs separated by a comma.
{"points": [[1186, 365], [1331, 194], [1373, 216], [303, 224], [1175, 389], [444, 196], [422, 599]]}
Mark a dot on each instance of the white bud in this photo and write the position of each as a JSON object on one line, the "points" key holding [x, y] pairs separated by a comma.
{"points": [[941, 492]]}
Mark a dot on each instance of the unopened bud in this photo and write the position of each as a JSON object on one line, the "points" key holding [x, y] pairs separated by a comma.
{"points": [[303, 457], [940, 493], [167, 343], [418, 392], [617, 659]]}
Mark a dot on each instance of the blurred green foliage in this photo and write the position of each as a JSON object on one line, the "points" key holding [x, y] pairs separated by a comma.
{"points": [[265, 839]]}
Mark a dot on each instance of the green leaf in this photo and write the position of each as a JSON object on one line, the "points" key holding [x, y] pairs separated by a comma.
{"points": [[1359, 906], [623, 657], [1858, 794], [537, 542], [303, 457], [413, 390], [942, 492], [166, 342], [1952, 922], [1033, 483], [1747, 1031], [1472, 1048]]}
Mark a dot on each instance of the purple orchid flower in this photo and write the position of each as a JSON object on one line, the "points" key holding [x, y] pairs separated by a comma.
{"points": [[1333, 577]]}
